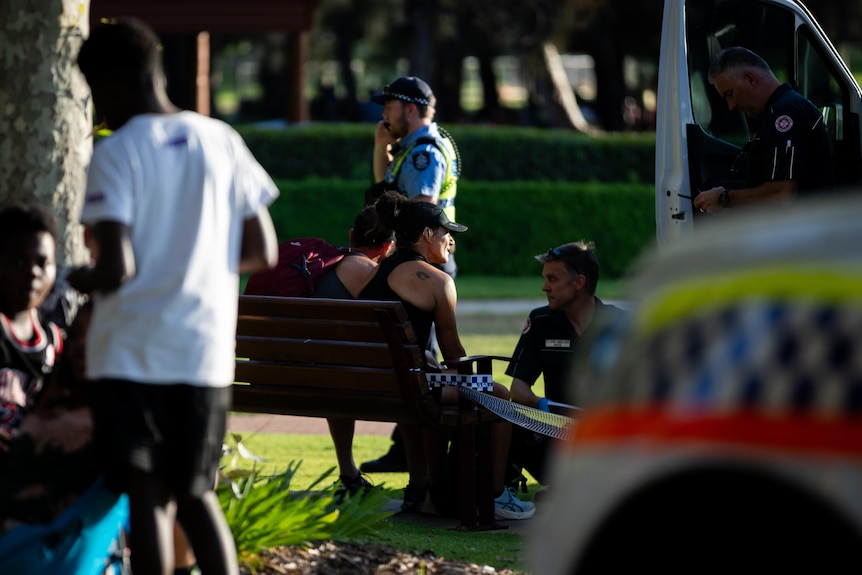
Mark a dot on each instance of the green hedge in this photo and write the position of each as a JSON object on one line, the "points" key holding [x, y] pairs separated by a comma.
{"points": [[489, 153], [509, 222]]}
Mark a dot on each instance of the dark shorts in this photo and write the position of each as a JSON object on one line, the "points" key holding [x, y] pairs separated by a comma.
{"points": [[175, 432]]}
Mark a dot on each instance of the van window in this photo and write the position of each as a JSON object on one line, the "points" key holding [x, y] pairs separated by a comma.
{"points": [[819, 81], [712, 26]]}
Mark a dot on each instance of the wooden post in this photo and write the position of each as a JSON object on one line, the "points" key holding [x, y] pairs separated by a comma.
{"points": [[202, 74], [297, 106]]}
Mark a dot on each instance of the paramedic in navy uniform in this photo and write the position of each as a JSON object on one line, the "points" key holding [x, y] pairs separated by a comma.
{"points": [[548, 341], [789, 154]]}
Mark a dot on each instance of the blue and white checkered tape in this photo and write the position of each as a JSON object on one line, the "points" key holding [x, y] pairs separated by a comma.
{"points": [[479, 382]]}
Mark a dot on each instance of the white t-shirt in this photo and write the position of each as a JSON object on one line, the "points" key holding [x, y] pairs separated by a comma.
{"points": [[184, 184]]}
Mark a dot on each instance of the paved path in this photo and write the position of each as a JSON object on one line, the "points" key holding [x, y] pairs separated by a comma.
{"points": [[501, 307], [265, 423]]}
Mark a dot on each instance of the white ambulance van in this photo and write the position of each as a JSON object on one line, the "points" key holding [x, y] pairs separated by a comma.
{"points": [[697, 137]]}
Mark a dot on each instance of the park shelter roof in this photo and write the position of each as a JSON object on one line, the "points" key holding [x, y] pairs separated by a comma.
{"points": [[197, 19], [214, 16]]}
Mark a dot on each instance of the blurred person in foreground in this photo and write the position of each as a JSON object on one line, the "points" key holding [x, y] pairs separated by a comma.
{"points": [[177, 207]]}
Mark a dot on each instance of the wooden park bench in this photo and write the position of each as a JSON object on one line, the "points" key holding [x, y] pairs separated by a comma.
{"points": [[357, 360]]}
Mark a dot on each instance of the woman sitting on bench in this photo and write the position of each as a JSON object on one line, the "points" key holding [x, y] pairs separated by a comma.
{"points": [[422, 238]]}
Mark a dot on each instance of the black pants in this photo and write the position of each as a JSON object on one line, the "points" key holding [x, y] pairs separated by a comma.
{"points": [[528, 451]]}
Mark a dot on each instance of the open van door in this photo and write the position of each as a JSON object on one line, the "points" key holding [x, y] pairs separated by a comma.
{"points": [[697, 137]]}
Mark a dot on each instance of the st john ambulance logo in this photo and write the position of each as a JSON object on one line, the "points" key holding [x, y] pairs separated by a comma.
{"points": [[783, 123]]}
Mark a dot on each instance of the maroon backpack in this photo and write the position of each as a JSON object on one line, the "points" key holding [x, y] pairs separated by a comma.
{"points": [[301, 262]]}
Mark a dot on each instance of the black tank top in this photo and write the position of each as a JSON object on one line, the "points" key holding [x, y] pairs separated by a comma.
{"points": [[329, 285], [378, 288]]}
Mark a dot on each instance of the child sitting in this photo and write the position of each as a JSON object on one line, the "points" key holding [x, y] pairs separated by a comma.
{"points": [[29, 346]]}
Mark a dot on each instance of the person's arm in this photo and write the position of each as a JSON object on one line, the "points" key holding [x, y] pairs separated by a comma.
{"points": [[526, 365], [259, 243], [115, 263], [522, 392], [444, 320], [382, 143], [776, 190]]}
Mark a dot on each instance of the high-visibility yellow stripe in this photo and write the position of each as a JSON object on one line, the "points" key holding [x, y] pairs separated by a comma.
{"points": [[700, 295]]}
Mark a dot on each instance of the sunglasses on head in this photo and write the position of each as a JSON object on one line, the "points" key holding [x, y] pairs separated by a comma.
{"points": [[556, 254]]}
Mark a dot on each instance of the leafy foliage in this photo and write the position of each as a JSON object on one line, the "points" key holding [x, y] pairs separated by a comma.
{"points": [[510, 222], [263, 512], [489, 153]]}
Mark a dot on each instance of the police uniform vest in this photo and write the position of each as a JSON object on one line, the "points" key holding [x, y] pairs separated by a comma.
{"points": [[446, 199]]}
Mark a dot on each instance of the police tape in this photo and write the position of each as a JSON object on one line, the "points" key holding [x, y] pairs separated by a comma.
{"points": [[536, 420], [479, 382]]}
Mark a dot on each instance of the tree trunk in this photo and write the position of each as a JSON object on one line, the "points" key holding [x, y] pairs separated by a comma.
{"points": [[45, 112], [423, 39], [563, 89], [608, 58]]}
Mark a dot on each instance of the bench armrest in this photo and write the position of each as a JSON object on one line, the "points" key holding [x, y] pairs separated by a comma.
{"points": [[482, 363]]}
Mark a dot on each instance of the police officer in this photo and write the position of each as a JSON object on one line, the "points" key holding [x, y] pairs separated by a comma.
{"points": [[548, 342], [789, 154], [411, 152]]}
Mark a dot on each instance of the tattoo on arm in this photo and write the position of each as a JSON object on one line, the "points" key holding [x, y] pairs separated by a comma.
{"points": [[423, 275]]}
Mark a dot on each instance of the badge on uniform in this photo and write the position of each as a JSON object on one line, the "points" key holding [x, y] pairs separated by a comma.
{"points": [[421, 160], [783, 123], [558, 343]]}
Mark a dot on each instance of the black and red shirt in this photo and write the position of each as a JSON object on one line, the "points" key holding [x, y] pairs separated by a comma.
{"points": [[25, 367]]}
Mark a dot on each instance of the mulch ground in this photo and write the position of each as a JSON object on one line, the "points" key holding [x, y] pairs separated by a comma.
{"points": [[337, 558]]}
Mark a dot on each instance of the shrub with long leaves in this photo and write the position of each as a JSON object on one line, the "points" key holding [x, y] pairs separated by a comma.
{"points": [[263, 512]]}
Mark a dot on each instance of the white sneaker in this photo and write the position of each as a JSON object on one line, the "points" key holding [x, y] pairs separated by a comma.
{"points": [[508, 506]]}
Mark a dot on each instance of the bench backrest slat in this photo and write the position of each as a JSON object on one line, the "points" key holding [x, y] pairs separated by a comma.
{"points": [[321, 352], [316, 329], [324, 378], [326, 309], [319, 357]]}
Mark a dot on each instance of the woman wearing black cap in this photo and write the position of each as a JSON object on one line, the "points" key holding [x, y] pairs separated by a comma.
{"points": [[422, 238]]}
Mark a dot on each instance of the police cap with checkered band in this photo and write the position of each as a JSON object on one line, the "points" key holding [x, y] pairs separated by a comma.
{"points": [[407, 89]]}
